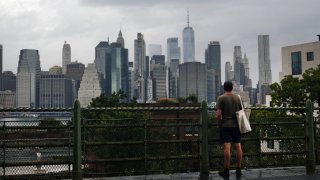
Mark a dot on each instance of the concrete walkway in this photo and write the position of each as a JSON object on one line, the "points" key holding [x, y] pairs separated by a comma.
{"points": [[294, 173]]}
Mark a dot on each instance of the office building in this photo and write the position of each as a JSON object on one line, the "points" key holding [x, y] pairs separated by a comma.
{"points": [[188, 43], [119, 70], [173, 73], [213, 65], [8, 81], [192, 80], [66, 56], [28, 75], [90, 85], [75, 72], [141, 69], [173, 49], [154, 49], [120, 39], [296, 59], [237, 57], [229, 74], [102, 62], [158, 72], [55, 89], [130, 80], [7, 99], [264, 60]]}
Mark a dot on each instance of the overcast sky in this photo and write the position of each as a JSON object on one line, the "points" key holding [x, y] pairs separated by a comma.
{"points": [[46, 24]]}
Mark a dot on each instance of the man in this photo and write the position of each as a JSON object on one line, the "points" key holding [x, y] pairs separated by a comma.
{"points": [[227, 105]]}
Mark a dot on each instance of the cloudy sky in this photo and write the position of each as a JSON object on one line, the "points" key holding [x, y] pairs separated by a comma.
{"points": [[46, 24]]}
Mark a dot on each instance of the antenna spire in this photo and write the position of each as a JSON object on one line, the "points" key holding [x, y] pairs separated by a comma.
{"points": [[188, 17]]}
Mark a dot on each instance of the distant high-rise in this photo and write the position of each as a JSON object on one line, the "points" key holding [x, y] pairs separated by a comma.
{"points": [[173, 78], [119, 69], [213, 62], [8, 81], [264, 59], [229, 76], [188, 43], [90, 85], [192, 80], [28, 74], [103, 61], [120, 39], [141, 69], [173, 49], [1, 55], [237, 57], [75, 72], [130, 80], [246, 72], [66, 56], [155, 49], [55, 90], [158, 75]]}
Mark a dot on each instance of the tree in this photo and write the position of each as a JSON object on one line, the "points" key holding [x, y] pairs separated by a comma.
{"points": [[293, 91]]}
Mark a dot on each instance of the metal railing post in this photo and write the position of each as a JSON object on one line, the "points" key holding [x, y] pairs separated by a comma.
{"points": [[77, 155], [204, 162], [311, 158]]}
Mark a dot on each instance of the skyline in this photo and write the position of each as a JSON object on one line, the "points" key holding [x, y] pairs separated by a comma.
{"points": [[45, 25]]}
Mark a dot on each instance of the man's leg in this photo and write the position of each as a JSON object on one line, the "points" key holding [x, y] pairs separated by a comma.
{"points": [[227, 154], [227, 157], [238, 154], [239, 158]]}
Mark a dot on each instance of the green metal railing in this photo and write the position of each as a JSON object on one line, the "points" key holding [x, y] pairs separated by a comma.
{"points": [[120, 141]]}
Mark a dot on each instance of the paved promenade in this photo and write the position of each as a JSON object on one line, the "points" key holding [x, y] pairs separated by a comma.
{"points": [[294, 173]]}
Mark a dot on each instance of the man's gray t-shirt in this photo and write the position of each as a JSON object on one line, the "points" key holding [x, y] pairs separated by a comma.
{"points": [[229, 104]]}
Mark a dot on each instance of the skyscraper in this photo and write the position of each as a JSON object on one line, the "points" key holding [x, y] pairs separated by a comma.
{"points": [[55, 90], [173, 49], [1, 55], [213, 62], [158, 75], [173, 61], [120, 39], [237, 57], [66, 56], [28, 74], [90, 85], [140, 69], [264, 59], [75, 72], [119, 69], [192, 80], [188, 43], [8, 81], [102, 61], [229, 76], [155, 49]]}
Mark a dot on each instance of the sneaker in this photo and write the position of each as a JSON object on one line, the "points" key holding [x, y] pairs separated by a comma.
{"points": [[224, 173], [238, 172]]}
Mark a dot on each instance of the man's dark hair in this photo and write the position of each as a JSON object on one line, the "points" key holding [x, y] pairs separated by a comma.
{"points": [[228, 86]]}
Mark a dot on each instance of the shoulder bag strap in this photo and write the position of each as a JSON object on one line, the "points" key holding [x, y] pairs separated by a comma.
{"points": [[241, 101]]}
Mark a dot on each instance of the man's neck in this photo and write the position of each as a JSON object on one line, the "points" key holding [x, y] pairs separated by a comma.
{"points": [[228, 92]]}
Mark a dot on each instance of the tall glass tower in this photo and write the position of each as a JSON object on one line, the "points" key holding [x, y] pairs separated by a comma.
{"points": [[28, 75], [66, 56], [188, 43], [213, 64]]}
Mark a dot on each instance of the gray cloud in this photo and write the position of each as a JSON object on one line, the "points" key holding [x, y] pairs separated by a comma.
{"points": [[46, 24]]}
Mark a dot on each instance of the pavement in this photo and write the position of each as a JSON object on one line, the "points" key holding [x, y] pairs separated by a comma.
{"points": [[280, 173]]}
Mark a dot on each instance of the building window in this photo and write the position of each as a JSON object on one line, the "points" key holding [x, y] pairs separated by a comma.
{"points": [[309, 56], [270, 144], [296, 63]]}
